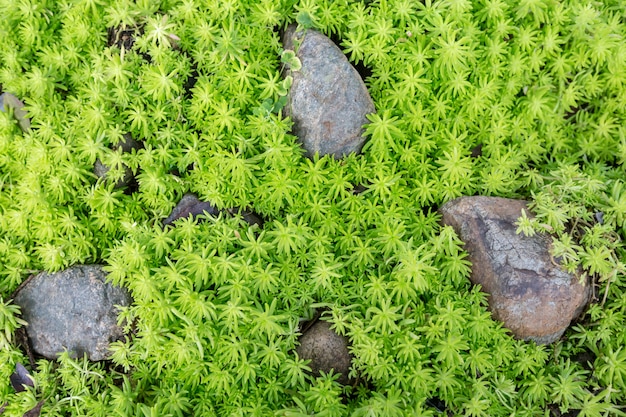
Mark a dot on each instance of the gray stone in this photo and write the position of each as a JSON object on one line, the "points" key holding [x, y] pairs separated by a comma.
{"points": [[328, 100], [73, 309], [327, 351], [528, 291]]}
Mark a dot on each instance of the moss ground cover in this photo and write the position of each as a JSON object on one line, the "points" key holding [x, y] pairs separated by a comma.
{"points": [[523, 99]]}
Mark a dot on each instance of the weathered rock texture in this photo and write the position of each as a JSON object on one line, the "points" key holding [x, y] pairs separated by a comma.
{"points": [[327, 350], [328, 100], [73, 309], [530, 294]]}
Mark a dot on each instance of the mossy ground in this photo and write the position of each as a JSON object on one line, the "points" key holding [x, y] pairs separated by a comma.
{"points": [[523, 99]]}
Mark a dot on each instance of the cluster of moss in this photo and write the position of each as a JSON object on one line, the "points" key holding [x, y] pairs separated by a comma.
{"points": [[523, 99]]}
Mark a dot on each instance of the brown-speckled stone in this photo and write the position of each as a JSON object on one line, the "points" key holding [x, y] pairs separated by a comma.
{"points": [[534, 298]]}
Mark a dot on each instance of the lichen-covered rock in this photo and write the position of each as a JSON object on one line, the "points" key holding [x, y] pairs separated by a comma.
{"points": [[528, 292], [328, 100], [327, 350], [9, 101], [74, 309]]}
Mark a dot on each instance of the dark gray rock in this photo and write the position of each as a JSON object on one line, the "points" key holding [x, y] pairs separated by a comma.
{"points": [[73, 309], [532, 295], [328, 100], [327, 350], [9, 101]]}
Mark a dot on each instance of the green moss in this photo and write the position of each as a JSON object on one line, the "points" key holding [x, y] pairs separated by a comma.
{"points": [[488, 97]]}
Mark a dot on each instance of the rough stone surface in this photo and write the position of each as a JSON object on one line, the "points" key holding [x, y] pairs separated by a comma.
{"points": [[528, 292], [73, 309], [327, 350], [328, 100]]}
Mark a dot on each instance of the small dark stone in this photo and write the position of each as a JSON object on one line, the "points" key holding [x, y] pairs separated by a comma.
{"points": [[35, 412], [252, 218], [74, 309], [327, 351], [528, 291], [477, 151], [126, 145], [190, 205], [21, 378], [328, 100], [249, 216], [358, 189], [102, 170]]}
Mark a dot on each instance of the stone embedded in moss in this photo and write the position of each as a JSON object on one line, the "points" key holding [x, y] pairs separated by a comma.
{"points": [[20, 379], [328, 100], [127, 144], [250, 217], [191, 205], [528, 292], [327, 351], [74, 309]]}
